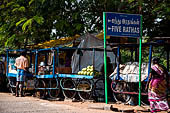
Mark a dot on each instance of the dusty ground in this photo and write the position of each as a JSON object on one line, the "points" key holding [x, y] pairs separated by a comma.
{"points": [[29, 104], [9, 104], [102, 105]]}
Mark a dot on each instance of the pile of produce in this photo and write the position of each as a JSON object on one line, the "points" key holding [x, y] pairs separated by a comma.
{"points": [[89, 70]]}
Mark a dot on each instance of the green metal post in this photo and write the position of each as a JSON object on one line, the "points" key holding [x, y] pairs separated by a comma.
{"points": [[105, 65], [140, 60]]}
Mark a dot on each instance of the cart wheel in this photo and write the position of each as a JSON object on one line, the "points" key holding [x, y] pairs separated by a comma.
{"points": [[85, 89], [40, 89], [12, 90], [12, 86], [144, 98], [99, 89], [68, 86], [121, 87], [25, 89], [54, 89], [28, 87]]}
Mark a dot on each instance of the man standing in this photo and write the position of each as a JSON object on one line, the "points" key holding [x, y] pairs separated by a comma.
{"points": [[21, 64]]}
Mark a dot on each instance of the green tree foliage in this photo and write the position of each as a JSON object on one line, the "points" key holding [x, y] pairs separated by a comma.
{"points": [[156, 18], [24, 22]]}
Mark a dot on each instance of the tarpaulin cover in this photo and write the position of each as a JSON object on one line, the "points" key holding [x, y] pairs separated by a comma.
{"points": [[90, 41]]}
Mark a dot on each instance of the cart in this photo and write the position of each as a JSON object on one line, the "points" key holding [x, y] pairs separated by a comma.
{"points": [[124, 88], [48, 79], [53, 81], [11, 72]]}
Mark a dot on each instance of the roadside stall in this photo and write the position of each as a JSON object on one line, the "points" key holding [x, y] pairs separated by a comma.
{"points": [[53, 78], [68, 65], [70, 70], [11, 71], [84, 58], [126, 76]]}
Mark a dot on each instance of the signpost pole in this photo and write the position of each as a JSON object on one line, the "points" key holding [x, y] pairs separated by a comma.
{"points": [[122, 25], [140, 61], [105, 66]]}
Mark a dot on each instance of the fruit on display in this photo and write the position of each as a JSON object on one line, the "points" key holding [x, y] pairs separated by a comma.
{"points": [[89, 70], [86, 71]]}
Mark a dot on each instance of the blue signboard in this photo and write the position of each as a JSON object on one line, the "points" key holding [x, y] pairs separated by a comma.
{"points": [[123, 25]]}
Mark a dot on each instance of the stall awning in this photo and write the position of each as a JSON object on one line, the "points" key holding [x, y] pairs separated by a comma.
{"points": [[67, 41], [101, 36]]}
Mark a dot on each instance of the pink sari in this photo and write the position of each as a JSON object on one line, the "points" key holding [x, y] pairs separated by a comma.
{"points": [[157, 91]]}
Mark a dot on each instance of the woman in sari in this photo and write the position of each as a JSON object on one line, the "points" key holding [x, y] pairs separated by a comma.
{"points": [[157, 87]]}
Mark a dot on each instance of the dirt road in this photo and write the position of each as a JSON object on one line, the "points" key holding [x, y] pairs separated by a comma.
{"points": [[12, 104]]}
